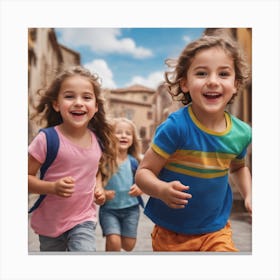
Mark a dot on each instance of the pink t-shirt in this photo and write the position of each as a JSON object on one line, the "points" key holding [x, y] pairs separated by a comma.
{"points": [[56, 214]]}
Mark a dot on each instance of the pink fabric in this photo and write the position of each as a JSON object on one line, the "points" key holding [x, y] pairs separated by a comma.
{"points": [[55, 214]]}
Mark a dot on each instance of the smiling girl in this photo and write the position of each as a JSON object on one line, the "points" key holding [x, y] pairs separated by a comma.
{"points": [[119, 216], [67, 217], [193, 152]]}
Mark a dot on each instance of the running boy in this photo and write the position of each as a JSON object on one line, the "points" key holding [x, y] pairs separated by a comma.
{"points": [[186, 169]]}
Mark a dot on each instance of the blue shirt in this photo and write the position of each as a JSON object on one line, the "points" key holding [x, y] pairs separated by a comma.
{"points": [[121, 182], [198, 158]]}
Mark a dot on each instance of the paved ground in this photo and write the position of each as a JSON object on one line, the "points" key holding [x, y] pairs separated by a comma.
{"points": [[242, 234]]}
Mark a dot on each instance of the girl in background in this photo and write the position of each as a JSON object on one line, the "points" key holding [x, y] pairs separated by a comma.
{"points": [[119, 216], [66, 219]]}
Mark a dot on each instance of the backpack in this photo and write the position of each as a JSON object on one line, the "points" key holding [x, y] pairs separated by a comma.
{"points": [[52, 149]]}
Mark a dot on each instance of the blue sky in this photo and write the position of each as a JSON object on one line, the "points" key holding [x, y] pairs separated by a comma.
{"points": [[127, 56]]}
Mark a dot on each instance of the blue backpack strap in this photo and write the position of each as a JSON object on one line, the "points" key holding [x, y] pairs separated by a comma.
{"points": [[52, 149], [134, 166]]}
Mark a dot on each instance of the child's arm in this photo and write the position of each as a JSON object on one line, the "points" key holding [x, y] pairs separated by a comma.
{"points": [[63, 187], [242, 180], [171, 193]]}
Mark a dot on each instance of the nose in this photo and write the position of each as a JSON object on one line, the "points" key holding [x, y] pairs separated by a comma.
{"points": [[78, 101], [212, 80]]}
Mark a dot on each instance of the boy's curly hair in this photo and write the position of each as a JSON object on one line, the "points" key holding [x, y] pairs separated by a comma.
{"points": [[181, 65]]}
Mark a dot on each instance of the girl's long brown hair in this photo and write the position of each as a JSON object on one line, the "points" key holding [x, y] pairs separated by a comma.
{"points": [[46, 114]]}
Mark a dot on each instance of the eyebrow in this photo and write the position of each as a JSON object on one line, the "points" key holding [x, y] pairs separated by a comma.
{"points": [[73, 92], [206, 67]]}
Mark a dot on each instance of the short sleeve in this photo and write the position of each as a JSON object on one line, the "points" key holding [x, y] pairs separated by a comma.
{"points": [[37, 147], [166, 139], [240, 160]]}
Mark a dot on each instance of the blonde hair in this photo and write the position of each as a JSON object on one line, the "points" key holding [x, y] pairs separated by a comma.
{"points": [[45, 112], [134, 149], [181, 66]]}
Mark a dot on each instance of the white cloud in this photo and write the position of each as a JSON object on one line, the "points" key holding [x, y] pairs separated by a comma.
{"points": [[187, 39], [100, 67], [152, 81], [102, 40]]}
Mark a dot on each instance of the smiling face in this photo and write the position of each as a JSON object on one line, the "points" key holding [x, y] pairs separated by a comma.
{"points": [[124, 133], [210, 81], [76, 102]]}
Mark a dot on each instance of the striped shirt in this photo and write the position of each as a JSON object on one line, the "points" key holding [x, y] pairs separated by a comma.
{"points": [[198, 158]]}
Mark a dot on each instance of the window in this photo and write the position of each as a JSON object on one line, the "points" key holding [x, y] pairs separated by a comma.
{"points": [[149, 115]]}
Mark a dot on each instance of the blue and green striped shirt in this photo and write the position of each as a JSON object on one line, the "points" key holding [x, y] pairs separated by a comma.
{"points": [[199, 158]]}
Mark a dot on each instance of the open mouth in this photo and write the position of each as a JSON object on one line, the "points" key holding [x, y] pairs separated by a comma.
{"points": [[212, 95], [78, 113]]}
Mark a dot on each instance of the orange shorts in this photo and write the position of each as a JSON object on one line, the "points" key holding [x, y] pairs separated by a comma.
{"points": [[218, 241]]}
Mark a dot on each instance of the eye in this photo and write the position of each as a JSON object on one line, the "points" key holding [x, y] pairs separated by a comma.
{"points": [[68, 96], [201, 73], [88, 97], [224, 74]]}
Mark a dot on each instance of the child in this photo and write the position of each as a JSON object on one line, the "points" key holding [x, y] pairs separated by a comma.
{"points": [[66, 218], [119, 216], [185, 171]]}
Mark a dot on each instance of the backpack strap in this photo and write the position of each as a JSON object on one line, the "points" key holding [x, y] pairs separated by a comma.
{"points": [[52, 149], [134, 166]]}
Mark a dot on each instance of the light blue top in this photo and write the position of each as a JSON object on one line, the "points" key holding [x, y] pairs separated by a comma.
{"points": [[120, 182]]}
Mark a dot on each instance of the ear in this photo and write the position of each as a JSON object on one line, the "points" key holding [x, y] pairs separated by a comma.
{"points": [[184, 85], [55, 106]]}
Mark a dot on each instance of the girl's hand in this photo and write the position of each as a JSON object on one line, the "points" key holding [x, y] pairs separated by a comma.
{"points": [[110, 194], [64, 187], [174, 195], [99, 196], [135, 191]]}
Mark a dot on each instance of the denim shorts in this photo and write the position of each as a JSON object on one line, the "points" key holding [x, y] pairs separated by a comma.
{"points": [[123, 222], [80, 238]]}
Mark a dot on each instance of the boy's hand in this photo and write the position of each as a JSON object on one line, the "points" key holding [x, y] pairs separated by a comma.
{"points": [[64, 187], [248, 204], [174, 195]]}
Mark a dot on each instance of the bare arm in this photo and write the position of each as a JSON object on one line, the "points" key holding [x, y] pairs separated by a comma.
{"points": [[241, 178], [171, 193], [63, 187]]}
